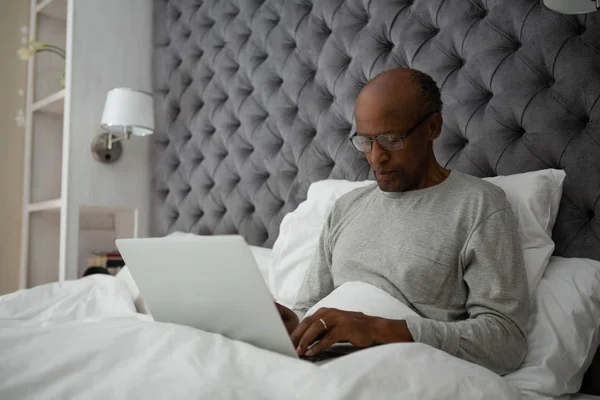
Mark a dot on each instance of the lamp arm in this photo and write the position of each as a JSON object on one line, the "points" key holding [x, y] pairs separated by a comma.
{"points": [[111, 138]]}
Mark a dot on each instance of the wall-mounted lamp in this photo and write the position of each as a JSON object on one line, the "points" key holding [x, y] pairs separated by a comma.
{"points": [[572, 6], [126, 112]]}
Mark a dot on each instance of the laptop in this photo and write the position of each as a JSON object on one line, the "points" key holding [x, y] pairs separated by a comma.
{"points": [[211, 283]]}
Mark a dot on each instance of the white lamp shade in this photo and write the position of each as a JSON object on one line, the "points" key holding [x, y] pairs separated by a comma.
{"points": [[128, 109], [571, 6]]}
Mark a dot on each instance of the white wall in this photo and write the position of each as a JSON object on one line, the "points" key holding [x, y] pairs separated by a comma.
{"points": [[111, 47], [13, 76]]}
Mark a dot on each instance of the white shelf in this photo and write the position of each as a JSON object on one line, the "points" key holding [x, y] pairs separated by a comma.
{"points": [[54, 104], [53, 8], [50, 205]]}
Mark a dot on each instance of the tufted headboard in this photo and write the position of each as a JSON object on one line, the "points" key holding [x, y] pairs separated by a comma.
{"points": [[254, 101]]}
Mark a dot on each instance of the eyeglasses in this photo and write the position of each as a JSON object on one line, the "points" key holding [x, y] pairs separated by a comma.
{"points": [[387, 141]]}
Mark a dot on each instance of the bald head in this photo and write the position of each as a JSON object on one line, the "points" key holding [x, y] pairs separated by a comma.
{"points": [[405, 105], [400, 93]]}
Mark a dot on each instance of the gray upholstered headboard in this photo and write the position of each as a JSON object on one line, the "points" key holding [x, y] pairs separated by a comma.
{"points": [[254, 101]]}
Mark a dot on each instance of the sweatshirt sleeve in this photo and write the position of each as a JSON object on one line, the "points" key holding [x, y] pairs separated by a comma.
{"points": [[494, 334], [318, 282]]}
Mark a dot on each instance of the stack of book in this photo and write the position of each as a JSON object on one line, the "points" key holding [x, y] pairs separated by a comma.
{"points": [[112, 262]]}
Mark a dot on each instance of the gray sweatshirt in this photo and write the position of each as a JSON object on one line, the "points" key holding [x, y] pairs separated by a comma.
{"points": [[450, 252]]}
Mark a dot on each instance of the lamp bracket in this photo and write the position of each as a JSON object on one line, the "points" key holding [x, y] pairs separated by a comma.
{"points": [[105, 153]]}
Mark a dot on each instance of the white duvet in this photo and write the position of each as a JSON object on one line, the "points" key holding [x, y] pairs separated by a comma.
{"points": [[83, 339]]}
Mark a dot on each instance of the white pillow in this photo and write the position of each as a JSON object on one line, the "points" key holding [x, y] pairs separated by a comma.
{"points": [[564, 329], [533, 196], [299, 236], [262, 256]]}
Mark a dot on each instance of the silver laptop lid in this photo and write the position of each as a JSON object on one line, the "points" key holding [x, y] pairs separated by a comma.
{"points": [[210, 283]]}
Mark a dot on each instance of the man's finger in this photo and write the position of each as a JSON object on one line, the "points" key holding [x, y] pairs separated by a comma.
{"points": [[302, 327], [308, 321], [299, 331], [330, 338], [314, 332]]}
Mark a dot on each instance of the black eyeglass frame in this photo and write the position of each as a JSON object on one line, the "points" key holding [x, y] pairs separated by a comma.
{"points": [[400, 138]]}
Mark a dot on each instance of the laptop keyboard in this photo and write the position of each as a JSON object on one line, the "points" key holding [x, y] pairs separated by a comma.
{"points": [[330, 354], [322, 356]]}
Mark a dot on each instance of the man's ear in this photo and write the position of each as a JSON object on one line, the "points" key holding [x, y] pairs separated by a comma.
{"points": [[435, 126]]}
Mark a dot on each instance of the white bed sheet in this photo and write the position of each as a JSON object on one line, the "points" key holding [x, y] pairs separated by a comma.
{"points": [[84, 339]]}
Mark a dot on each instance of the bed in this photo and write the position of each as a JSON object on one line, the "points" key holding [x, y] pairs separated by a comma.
{"points": [[254, 105]]}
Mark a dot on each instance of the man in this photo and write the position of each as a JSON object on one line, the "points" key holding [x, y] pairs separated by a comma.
{"points": [[442, 242]]}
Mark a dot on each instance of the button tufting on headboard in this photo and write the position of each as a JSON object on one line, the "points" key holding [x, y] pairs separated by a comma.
{"points": [[254, 101]]}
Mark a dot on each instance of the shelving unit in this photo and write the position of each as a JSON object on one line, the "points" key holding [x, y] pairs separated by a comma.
{"points": [[53, 104], [72, 205], [49, 205], [52, 8]]}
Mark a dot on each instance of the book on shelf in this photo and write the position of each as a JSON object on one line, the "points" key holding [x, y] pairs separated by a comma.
{"points": [[111, 261]]}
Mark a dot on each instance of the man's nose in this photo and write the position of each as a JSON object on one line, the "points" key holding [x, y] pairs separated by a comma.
{"points": [[378, 155]]}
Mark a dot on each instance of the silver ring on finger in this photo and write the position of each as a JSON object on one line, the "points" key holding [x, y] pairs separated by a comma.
{"points": [[323, 322]]}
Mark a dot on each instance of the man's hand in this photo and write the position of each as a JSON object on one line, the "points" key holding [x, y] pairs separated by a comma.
{"points": [[329, 326], [289, 318]]}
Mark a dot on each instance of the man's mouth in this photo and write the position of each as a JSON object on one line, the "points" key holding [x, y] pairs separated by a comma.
{"points": [[385, 174]]}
